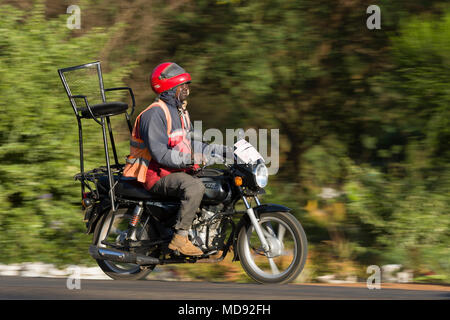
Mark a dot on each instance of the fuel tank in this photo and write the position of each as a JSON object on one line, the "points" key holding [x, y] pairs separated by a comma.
{"points": [[217, 186]]}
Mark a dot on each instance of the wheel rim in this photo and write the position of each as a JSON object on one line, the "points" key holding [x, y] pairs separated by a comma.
{"points": [[118, 230], [284, 249]]}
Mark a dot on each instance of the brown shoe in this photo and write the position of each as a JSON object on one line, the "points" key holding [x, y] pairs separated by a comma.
{"points": [[183, 245]]}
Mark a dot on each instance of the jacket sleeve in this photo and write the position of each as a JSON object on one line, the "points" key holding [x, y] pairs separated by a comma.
{"points": [[208, 150], [153, 130]]}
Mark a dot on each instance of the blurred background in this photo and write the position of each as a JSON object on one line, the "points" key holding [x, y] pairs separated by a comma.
{"points": [[363, 118]]}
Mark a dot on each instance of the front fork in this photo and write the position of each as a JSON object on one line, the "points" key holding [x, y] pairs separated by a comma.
{"points": [[255, 222]]}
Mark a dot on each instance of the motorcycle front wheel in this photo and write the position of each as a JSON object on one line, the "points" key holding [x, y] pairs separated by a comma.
{"points": [[115, 234], [288, 249]]}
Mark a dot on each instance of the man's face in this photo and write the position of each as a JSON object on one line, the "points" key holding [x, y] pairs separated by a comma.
{"points": [[182, 92]]}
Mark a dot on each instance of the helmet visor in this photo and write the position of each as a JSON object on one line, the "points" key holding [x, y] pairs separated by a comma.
{"points": [[171, 71]]}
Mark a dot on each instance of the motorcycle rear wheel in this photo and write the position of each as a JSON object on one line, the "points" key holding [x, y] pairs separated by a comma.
{"points": [[115, 270], [288, 253]]}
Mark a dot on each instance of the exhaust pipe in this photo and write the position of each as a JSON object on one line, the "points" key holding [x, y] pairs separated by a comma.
{"points": [[121, 256]]}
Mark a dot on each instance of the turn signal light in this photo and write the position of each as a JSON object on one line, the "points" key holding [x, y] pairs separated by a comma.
{"points": [[238, 181]]}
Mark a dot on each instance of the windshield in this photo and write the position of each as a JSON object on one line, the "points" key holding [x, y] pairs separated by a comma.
{"points": [[246, 153]]}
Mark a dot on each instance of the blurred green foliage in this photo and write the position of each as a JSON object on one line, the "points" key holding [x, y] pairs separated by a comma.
{"points": [[364, 114], [363, 118], [40, 212]]}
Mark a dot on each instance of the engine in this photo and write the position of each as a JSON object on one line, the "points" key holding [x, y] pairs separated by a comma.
{"points": [[206, 231]]}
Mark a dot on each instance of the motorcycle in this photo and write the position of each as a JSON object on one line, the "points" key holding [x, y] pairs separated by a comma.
{"points": [[129, 242]]}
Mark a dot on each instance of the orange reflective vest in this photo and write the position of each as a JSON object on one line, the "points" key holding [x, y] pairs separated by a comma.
{"points": [[140, 160]]}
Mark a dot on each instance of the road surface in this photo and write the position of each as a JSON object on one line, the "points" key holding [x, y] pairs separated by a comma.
{"points": [[20, 288]]}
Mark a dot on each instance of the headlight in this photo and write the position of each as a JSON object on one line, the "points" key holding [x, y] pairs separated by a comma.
{"points": [[261, 175]]}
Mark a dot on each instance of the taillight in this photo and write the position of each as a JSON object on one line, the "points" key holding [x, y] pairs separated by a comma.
{"points": [[87, 201]]}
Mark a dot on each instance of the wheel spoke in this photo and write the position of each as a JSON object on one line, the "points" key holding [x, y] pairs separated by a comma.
{"points": [[287, 253], [267, 234], [273, 266], [113, 230], [281, 231], [270, 229]]}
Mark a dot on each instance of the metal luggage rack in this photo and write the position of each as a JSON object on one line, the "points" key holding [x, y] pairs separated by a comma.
{"points": [[92, 177], [85, 83], [95, 173]]}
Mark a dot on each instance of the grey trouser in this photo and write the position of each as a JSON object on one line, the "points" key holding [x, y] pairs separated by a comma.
{"points": [[189, 189]]}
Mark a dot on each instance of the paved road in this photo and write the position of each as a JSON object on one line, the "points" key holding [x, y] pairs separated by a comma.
{"points": [[20, 288]]}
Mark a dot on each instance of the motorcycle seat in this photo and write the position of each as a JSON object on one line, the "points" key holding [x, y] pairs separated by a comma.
{"points": [[133, 190]]}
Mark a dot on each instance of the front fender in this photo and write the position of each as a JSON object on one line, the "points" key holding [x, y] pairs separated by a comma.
{"points": [[245, 221], [270, 207]]}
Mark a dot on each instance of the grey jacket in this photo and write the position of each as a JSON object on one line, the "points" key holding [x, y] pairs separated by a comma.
{"points": [[153, 130]]}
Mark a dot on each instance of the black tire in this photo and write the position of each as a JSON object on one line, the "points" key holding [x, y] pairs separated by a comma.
{"points": [[109, 268], [300, 250]]}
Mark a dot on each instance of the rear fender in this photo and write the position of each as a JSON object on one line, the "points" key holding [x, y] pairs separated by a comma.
{"points": [[97, 211]]}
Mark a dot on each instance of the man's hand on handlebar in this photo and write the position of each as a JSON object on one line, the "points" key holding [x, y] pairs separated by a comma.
{"points": [[217, 156]]}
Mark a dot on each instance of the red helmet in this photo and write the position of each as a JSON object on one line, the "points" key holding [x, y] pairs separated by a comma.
{"points": [[168, 75]]}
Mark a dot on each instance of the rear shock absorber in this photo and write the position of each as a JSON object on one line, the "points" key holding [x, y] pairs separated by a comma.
{"points": [[137, 213]]}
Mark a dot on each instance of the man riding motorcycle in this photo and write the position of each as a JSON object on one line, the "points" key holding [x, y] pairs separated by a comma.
{"points": [[162, 153]]}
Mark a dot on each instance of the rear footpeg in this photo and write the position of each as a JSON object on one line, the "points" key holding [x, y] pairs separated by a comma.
{"points": [[121, 256]]}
